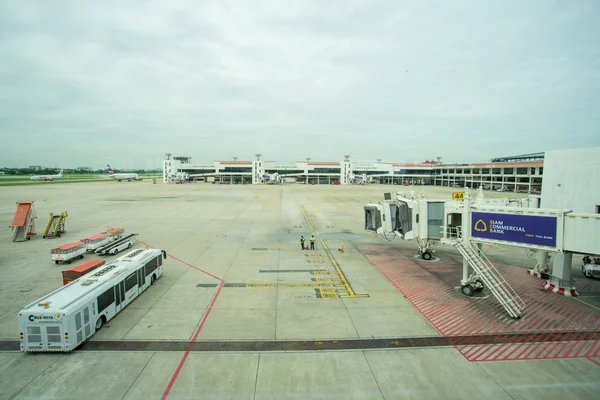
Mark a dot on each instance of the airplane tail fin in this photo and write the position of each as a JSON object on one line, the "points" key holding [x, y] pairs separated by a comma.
{"points": [[60, 172], [110, 170]]}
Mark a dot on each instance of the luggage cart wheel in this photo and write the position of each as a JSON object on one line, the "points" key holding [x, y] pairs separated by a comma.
{"points": [[467, 290], [426, 255]]}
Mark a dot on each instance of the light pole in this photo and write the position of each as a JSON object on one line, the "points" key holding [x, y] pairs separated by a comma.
{"points": [[235, 158]]}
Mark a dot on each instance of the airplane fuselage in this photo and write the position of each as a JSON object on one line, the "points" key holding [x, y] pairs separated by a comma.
{"points": [[125, 177], [46, 178]]}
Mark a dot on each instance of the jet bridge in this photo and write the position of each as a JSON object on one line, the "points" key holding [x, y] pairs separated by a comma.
{"points": [[474, 221]]}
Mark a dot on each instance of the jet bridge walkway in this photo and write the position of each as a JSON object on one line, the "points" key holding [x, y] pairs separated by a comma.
{"points": [[471, 222]]}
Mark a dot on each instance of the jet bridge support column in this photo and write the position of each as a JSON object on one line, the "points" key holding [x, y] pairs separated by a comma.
{"points": [[560, 281], [541, 268], [466, 235]]}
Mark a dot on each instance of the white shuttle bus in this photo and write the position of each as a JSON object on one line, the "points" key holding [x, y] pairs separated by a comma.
{"points": [[68, 316]]}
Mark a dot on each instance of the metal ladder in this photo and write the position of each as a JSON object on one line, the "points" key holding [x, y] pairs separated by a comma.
{"points": [[491, 278]]}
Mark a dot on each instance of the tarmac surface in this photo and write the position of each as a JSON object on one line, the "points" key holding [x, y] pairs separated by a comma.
{"points": [[241, 312]]}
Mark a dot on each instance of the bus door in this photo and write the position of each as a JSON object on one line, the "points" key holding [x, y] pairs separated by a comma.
{"points": [[131, 287], [141, 279], [120, 299]]}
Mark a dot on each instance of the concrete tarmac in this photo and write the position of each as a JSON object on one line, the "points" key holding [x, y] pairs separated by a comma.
{"points": [[236, 272]]}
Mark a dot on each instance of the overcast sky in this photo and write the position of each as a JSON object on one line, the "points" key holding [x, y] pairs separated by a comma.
{"points": [[87, 83]]}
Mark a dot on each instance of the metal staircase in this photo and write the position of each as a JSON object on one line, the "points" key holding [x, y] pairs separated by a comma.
{"points": [[55, 226], [491, 278]]}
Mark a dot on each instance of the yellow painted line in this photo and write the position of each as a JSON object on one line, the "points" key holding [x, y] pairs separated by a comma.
{"points": [[360, 296], [328, 252], [287, 285]]}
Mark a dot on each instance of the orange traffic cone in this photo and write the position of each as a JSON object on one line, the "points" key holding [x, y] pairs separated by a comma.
{"points": [[342, 248]]}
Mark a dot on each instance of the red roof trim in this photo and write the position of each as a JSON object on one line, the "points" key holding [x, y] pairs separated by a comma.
{"points": [[71, 245], [509, 164], [87, 265], [94, 237]]}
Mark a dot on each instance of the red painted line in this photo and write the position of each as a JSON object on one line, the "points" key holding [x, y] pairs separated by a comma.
{"points": [[574, 344], [384, 274], [186, 263], [538, 318], [579, 348], [490, 352], [518, 347], [525, 354], [439, 313], [428, 306], [586, 319], [204, 318], [187, 353], [595, 346], [457, 317], [581, 352], [570, 311], [554, 349], [546, 350], [493, 325], [594, 361], [545, 318]]}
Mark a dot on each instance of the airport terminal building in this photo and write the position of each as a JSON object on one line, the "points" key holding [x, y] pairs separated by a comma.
{"points": [[521, 173]]}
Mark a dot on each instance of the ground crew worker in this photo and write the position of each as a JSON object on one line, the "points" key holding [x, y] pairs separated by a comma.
{"points": [[312, 242], [302, 241]]}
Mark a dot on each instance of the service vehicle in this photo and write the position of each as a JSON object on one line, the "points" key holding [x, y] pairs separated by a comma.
{"points": [[591, 267], [68, 252], [70, 275], [116, 246], [95, 241]]}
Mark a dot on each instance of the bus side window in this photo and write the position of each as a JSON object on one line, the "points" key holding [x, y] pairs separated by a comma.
{"points": [[151, 266], [130, 282], [106, 299]]}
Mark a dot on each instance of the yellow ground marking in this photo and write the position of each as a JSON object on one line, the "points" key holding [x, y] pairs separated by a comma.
{"points": [[288, 285], [335, 264]]}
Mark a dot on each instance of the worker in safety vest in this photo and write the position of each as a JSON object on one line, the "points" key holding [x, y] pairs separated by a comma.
{"points": [[312, 242], [302, 241]]}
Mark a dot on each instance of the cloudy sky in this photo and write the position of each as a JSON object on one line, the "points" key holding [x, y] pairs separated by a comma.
{"points": [[124, 82]]}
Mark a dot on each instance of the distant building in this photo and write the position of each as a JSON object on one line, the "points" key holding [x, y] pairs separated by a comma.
{"points": [[35, 167], [84, 169], [515, 174]]}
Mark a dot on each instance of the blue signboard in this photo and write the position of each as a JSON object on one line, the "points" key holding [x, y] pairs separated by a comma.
{"points": [[525, 229]]}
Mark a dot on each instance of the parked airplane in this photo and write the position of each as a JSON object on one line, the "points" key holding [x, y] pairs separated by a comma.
{"points": [[272, 178], [178, 177], [47, 177], [361, 179], [122, 176]]}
